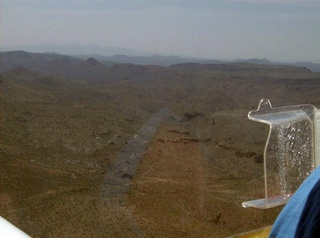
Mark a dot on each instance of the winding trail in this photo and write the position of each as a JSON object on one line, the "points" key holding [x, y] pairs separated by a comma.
{"points": [[118, 178]]}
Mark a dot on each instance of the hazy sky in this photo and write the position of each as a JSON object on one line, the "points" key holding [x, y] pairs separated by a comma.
{"points": [[220, 29]]}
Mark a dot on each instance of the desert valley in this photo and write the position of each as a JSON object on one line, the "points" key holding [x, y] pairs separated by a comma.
{"points": [[94, 148]]}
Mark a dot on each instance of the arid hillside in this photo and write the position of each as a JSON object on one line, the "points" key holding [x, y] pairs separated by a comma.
{"points": [[129, 150]]}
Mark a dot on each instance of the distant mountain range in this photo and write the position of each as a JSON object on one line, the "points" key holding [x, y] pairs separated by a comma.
{"points": [[148, 60], [59, 62], [312, 66], [76, 49], [110, 55], [171, 60]]}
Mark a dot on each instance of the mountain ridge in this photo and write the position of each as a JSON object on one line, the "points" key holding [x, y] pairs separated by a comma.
{"points": [[92, 68], [113, 54]]}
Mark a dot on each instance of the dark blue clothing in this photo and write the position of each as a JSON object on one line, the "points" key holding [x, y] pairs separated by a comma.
{"points": [[309, 224], [288, 220]]}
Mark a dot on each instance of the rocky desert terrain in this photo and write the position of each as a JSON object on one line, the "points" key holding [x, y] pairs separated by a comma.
{"points": [[124, 150]]}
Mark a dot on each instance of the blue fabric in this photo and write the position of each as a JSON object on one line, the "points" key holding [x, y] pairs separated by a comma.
{"points": [[308, 226], [287, 222]]}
